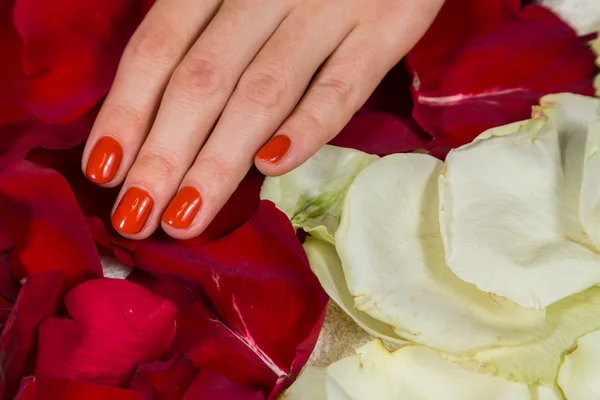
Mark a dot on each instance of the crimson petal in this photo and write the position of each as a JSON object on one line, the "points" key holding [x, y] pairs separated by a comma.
{"points": [[71, 51], [35, 388], [484, 63], [114, 326], [167, 380], [37, 300], [45, 224], [211, 386]]}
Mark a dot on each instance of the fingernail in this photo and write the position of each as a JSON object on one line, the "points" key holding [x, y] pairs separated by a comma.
{"points": [[183, 208], [133, 211], [104, 161], [275, 149]]}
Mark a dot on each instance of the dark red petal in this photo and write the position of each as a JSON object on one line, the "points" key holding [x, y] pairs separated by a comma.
{"points": [[266, 300], [484, 63], [12, 76], [36, 388], [71, 51], [37, 300], [167, 380], [211, 386], [45, 224], [114, 326], [380, 133]]}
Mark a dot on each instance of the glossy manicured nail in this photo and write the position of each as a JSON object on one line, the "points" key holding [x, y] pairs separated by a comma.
{"points": [[275, 149], [183, 208], [133, 211], [104, 161]]}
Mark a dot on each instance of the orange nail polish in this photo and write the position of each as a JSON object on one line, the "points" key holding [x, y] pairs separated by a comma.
{"points": [[275, 149], [133, 211], [104, 161], [183, 208]]}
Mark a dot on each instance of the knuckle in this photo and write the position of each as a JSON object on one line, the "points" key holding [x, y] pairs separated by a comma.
{"points": [[264, 89], [220, 169], [155, 43], [315, 124], [124, 115], [340, 91], [157, 164], [200, 75]]}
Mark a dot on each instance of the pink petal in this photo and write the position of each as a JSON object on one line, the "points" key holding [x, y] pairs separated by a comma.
{"points": [[35, 388], [71, 51], [37, 301], [45, 224], [484, 63], [114, 325]]}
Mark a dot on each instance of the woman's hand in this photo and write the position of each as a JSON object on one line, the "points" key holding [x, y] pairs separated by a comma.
{"points": [[205, 88]]}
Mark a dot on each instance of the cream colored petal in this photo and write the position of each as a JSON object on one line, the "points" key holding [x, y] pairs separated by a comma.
{"points": [[412, 373], [543, 392], [589, 202], [393, 258], [312, 194], [327, 266], [509, 210], [310, 385], [579, 375], [539, 359]]}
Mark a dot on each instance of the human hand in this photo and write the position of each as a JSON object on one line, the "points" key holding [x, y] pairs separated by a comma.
{"points": [[206, 88]]}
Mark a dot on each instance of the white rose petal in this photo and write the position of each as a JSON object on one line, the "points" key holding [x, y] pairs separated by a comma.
{"points": [[412, 373], [510, 207], [310, 385], [393, 258], [579, 376], [312, 194], [327, 266]]}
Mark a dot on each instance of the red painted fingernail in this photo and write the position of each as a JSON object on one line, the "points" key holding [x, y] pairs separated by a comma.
{"points": [[183, 208], [104, 161], [275, 149], [133, 211]]}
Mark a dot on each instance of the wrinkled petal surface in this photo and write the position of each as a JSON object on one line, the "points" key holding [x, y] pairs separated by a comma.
{"points": [[312, 194], [393, 258], [114, 326], [510, 207], [579, 376], [533, 53], [412, 373]]}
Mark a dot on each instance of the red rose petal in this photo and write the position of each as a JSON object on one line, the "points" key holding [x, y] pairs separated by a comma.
{"points": [[167, 380], [37, 301], [211, 386], [268, 305], [114, 325], [484, 63], [35, 388], [39, 211], [12, 76], [71, 51], [380, 133]]}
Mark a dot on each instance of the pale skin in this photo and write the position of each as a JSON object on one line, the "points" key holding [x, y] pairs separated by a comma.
{"points": [[204, 85]]}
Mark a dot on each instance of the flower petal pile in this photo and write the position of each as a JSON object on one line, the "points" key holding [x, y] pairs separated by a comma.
{"points": [[488, 262]]}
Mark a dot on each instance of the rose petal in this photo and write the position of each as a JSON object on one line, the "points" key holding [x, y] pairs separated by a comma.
{"points": [[71, 51], [510, 216], [380, 133], [114, 325], [211, 386], [35, 388], [580, 372], [167, 380], [392, 254], [37, 301], [532, 51], [38, 209], [12, 76]]}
